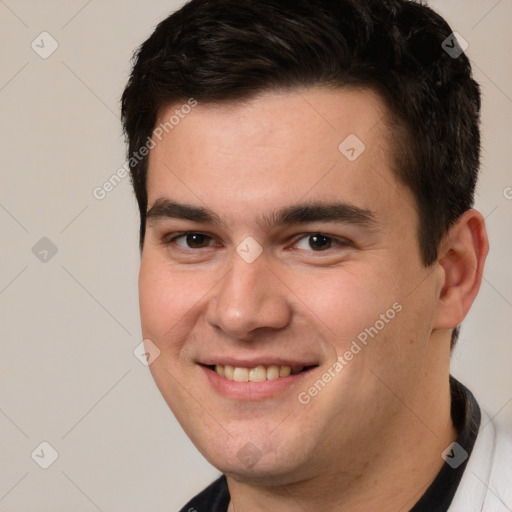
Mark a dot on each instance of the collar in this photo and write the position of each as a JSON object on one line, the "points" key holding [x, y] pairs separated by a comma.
{"points": [[466, 418]]}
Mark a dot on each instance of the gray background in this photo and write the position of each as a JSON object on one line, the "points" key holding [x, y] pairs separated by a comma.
{"points": [[70, 322]]}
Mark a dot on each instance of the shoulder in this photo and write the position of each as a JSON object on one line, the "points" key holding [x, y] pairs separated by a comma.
{"points": [[487, 481], [500, 480], [215, 498]]}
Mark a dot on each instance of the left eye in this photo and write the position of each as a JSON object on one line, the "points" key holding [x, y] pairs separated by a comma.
{"points": [[318, 242]]}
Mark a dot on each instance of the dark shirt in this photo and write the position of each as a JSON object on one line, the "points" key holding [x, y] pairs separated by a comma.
{"points": [[465, 414]]}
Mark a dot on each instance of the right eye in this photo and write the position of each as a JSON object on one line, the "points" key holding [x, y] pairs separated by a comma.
{"points": [[190, 240]]}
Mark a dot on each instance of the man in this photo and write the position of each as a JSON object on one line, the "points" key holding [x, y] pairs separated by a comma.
{"points": [[305, 174]]}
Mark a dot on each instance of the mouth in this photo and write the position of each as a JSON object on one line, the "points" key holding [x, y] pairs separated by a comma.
{"points": [[259, 373], [254, 381]]}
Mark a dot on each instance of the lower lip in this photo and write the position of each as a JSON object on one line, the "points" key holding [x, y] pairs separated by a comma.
{"points": [[252, 390]]}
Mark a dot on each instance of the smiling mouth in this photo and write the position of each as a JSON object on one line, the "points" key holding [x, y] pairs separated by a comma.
{"points": [[260, 373]]}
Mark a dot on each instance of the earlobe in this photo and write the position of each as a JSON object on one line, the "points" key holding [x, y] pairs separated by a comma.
{"points": [[461, 260]]}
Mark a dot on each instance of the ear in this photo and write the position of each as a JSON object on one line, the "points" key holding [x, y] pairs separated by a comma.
{"points": [[461, 263]]}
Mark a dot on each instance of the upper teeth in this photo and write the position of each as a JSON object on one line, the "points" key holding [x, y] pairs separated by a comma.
{"points": [[257, 374]]}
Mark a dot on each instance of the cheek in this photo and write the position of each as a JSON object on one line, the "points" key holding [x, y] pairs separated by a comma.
{"points": [[345, 304], [166, 298]]}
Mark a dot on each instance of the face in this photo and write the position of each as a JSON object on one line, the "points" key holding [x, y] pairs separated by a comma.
{"points": [[281, 281]]}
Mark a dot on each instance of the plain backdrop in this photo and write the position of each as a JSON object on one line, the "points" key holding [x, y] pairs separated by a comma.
{"points": [[68, 284]]}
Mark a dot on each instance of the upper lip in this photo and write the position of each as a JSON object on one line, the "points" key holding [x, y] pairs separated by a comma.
{"points": [[256, 361]]}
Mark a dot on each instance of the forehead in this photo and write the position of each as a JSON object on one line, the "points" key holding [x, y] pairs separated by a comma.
{"points": [[275, 149]]}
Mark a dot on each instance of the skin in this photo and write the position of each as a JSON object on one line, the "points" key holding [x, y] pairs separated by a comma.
{"points": [[372, 438]]}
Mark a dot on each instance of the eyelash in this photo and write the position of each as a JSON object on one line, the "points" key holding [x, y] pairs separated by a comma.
{"points": [[340, 242]]}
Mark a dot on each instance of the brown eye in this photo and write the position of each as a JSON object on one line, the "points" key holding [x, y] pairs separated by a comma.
{"points": [[319, 242], [196, 240], [192, 240]]}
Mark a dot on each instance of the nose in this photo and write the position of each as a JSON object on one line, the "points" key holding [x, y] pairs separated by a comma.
{"points": [[250, 298]]}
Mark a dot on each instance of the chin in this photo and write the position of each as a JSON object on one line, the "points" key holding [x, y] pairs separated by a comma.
{"points": [[265, 475], [275, 464]]}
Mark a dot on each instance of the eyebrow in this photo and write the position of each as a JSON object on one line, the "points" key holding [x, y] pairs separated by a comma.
{"points": [[321, 212], [165, 208], [314, 211]]}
